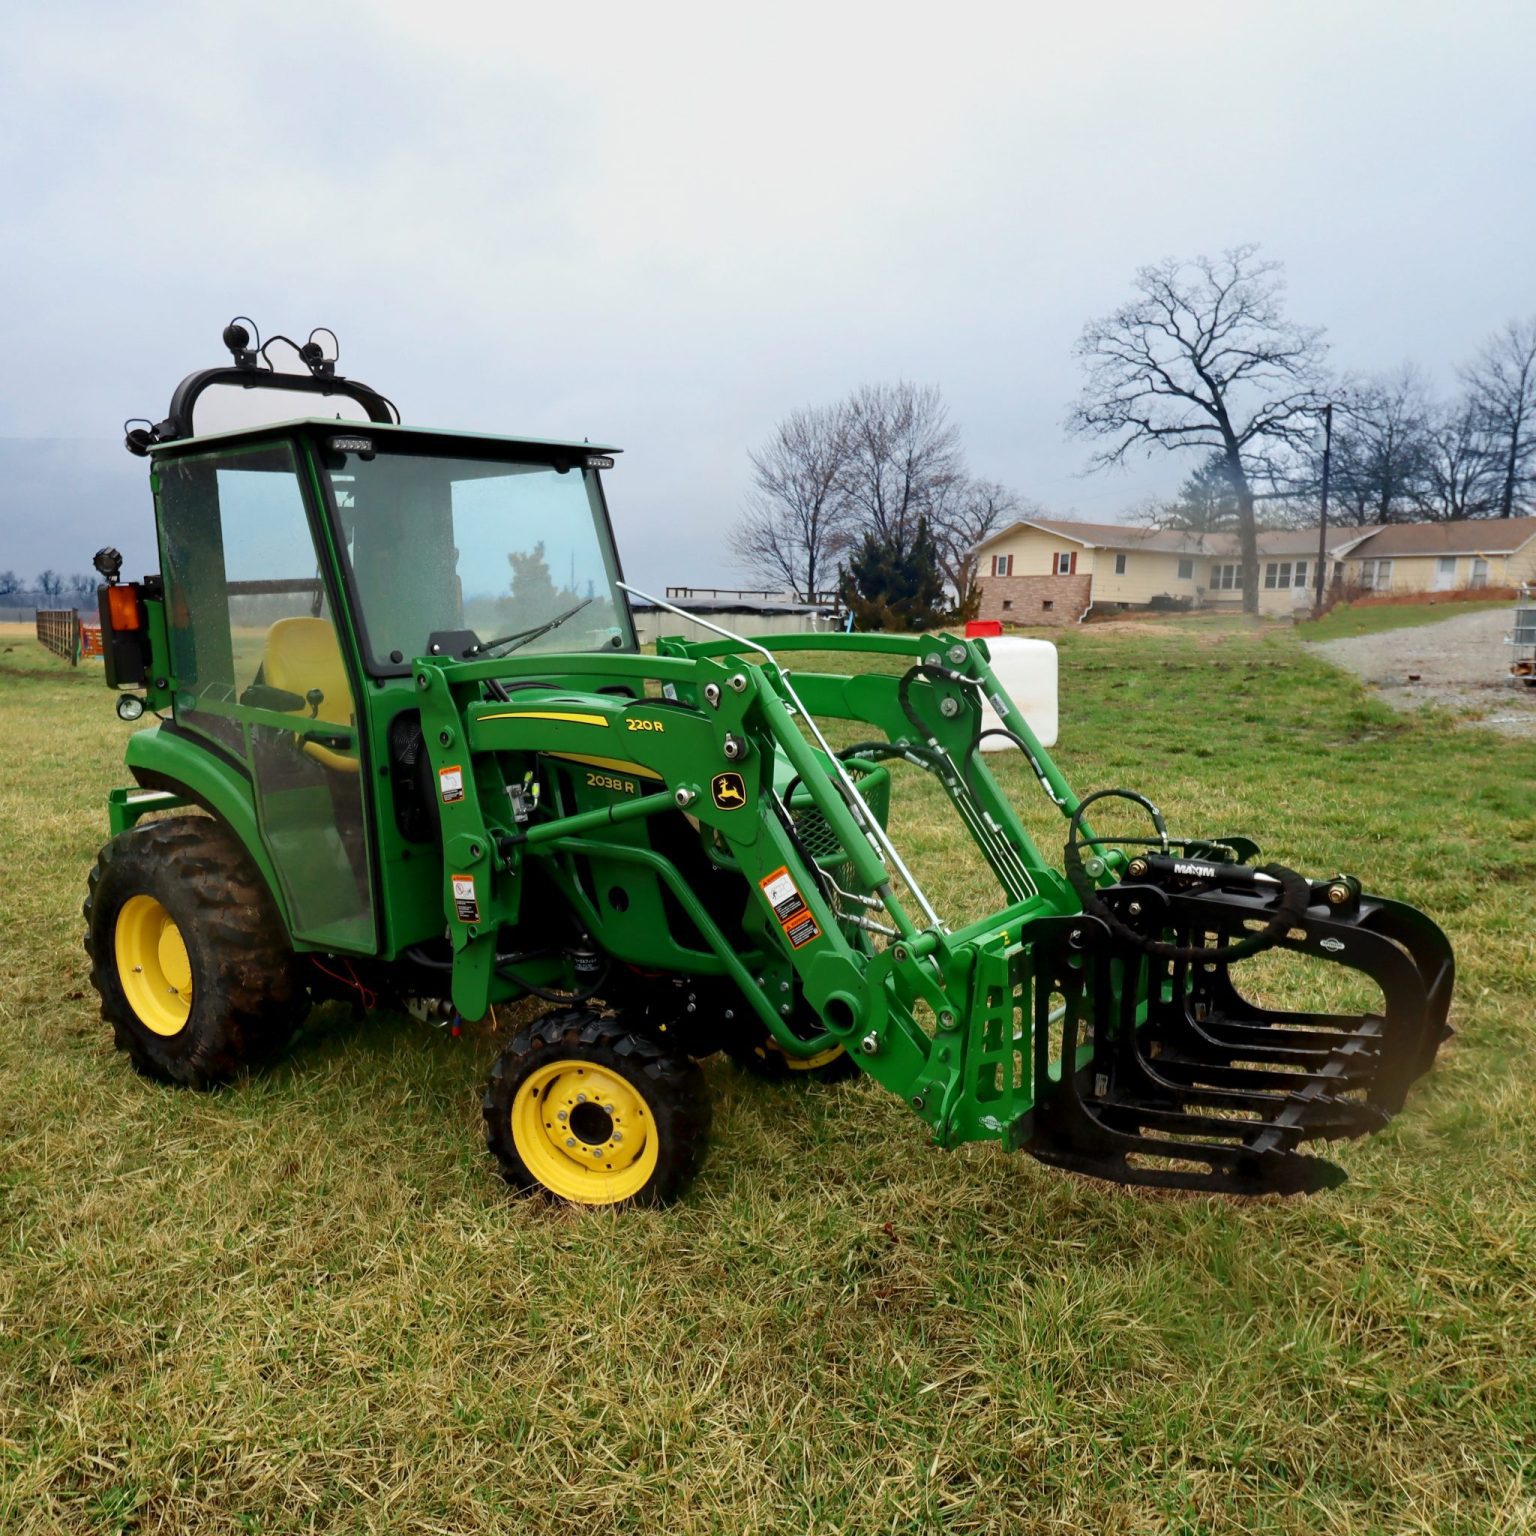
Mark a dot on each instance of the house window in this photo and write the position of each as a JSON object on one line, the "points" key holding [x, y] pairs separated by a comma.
{"points": [[1479, 573], [1119, 565], [1376, 575], [1048, 604], [1002, 565], [1300, 579], [1187, 570], [1065, 563], [1277, 574], [1007, 603], [1226, 578]]}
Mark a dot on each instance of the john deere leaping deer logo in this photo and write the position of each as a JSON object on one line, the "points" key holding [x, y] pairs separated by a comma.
{"points": [[729, 790]]}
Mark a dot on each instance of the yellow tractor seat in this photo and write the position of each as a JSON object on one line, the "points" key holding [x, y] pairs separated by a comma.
{"points": [[301, 654]]}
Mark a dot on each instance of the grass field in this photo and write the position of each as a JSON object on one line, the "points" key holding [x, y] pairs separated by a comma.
{"points": [[1356, 619], [307, 1303]]}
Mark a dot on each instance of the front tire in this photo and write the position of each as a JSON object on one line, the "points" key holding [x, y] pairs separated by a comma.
{"points": [[585, 1110], [188, 954]]}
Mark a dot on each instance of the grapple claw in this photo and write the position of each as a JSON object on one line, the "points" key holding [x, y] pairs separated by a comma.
{"points": [[1165, 1073]]}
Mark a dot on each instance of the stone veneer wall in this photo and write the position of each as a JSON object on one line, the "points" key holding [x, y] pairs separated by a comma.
{"points": [[1067, 595]]}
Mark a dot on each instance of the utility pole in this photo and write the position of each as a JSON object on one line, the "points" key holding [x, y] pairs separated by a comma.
{"points": [[1322, 531]]}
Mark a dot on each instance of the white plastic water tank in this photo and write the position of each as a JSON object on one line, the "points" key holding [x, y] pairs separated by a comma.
{"points": [[1027, 671]]}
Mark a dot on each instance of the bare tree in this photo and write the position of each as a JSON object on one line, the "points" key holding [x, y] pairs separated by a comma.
{"points": [[82, 586], [1502, 384], [1462, 479], [1203, 358], [794, 523], [50, 583], [9, 582], [903, 459], [968, 512], [1382, 450], [882, 471]]}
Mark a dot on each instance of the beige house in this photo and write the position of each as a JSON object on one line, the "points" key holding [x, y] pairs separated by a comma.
{"points": [[1051, 571], [1444, 557]]}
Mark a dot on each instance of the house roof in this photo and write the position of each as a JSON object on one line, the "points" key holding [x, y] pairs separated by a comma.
{"points": [[1175, 541], [1298, 542], [1480, 536], [1099, 535]]}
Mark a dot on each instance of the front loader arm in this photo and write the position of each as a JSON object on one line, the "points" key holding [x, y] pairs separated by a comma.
{"points": [[1042, 1026], [711, 753]]}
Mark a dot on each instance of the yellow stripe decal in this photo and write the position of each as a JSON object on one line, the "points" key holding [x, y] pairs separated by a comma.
{"points": [[547, 714]]}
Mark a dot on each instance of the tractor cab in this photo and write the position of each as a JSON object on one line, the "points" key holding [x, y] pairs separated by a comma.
{"points": [[304, 564]]}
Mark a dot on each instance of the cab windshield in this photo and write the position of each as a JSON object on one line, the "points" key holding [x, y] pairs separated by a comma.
{"points": [[475, 551]]}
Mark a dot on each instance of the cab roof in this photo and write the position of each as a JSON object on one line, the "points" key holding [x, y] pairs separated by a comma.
{"points": [[354, 428]]}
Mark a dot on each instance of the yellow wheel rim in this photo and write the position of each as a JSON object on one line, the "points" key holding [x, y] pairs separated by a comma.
{"points": [[152, 966], [584, 1132], [801, 1063], [810, 1063]]}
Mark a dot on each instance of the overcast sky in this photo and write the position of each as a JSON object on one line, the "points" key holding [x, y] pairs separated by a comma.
{"points": [[664, 227]]}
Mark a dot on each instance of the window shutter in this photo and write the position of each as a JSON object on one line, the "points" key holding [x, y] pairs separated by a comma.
{"points": [[1072, 563]]}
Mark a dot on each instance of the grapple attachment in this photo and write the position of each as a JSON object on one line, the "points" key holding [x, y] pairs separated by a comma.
{"points": [[1165, 1072]]}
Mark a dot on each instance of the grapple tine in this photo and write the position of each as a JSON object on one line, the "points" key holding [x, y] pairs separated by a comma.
{"points": [[1179, 1080]]}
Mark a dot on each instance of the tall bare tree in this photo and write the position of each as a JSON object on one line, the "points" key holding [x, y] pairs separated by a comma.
{"points": [[1203, 358], [903, 459], [795, 520], [1462, 479], [1502, 385], [882, 472], [1382, 450], [962, 517]]}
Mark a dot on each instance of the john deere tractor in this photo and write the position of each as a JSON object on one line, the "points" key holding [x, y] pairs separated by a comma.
{"points": [[419, 755]]}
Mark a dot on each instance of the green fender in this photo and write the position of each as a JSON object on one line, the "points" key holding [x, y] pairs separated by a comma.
{"points": [[202, 776]]}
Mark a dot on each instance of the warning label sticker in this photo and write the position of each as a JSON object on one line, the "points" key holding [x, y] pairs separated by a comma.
{"points": [[782, 894], [789, 907], [450, 781], [464, 900], [801, 930]]}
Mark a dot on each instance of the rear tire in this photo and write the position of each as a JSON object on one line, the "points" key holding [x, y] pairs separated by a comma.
{"points": [[188, 954], [583, 1109]]}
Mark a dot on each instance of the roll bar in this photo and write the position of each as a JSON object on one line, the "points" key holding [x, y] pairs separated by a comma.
{"points": [[252, 369]]}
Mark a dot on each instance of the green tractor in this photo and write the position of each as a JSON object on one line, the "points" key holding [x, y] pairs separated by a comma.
{"points": [[396, 671]]}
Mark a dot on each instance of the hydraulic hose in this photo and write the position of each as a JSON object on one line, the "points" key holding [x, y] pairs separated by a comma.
{"points": [[1295, 895]]}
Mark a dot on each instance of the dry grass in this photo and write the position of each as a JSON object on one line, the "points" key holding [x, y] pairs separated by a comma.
{"points": [[308, 1304]]}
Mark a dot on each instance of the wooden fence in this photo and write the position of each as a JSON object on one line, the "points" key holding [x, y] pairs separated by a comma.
{"points": [[59, 630]]}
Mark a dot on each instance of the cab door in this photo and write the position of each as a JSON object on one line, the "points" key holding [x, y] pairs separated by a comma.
{"points": [[261, 673]]}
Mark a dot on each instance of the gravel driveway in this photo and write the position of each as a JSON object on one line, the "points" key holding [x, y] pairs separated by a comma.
{"points": [[1459, 664]]}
